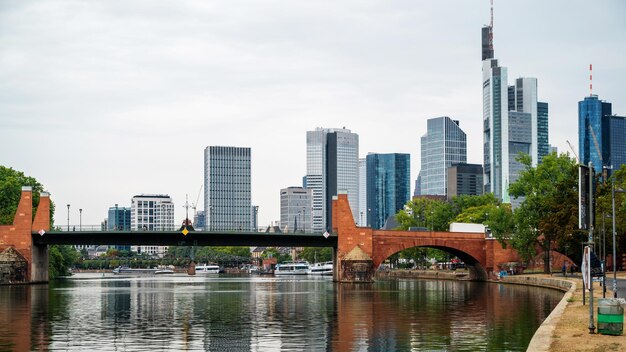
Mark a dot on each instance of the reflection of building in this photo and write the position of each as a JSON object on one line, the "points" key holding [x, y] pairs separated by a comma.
{"points": [[151, 212], [609, 131], [227, 189], [388, 186], [332, 167], [295, 209], [465, 179], [443, 144]]}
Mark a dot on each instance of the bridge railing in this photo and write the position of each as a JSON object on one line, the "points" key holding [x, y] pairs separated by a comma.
{"points": [[95, 228]]}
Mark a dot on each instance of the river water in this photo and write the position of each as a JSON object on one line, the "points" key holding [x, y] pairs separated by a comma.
{"points": [[91, 312]]}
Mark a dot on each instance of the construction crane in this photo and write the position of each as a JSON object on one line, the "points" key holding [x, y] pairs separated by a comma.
{"points": [[195, 205], [572, 148]]}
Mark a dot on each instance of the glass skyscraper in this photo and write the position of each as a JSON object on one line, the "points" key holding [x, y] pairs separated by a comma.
{"points": [[332, 167], [443, 145], [227, 189], [388, 186], [609, 131]]}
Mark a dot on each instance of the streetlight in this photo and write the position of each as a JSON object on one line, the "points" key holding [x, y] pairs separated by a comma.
{"points": [[614, 233], [80, 219], [68, 218]]}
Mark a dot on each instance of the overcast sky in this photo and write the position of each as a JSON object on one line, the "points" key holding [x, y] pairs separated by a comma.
{"points": [[103, 100]]}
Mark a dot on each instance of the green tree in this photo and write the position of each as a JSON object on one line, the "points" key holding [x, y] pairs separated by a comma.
{"points": [[61, 259], [11, 182], [548, 212], [316, 254]]}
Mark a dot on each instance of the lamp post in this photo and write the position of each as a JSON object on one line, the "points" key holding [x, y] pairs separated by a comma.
{"points": [[68, 218], [80, 219]]}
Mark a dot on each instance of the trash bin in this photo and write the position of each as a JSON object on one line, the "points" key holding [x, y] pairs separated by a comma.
{"points": [[610, 317]]}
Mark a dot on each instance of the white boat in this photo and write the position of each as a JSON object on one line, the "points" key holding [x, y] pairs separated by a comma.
{"points": [[163, 271], [299, 268], [207, 269], [124, 270], [325, 268]]}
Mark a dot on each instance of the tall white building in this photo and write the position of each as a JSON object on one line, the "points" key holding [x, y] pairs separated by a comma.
{"points": [[295, 210], [332, 167], [227, 189], [151, 212], [362, 219]]}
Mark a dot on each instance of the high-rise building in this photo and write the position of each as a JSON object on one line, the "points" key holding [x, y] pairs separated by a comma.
{"points": [[465, 179], [227, 189], [199, 221], [443, 144], [151, 212], [332, 167], [295, 210], [599, 130], [513, 122], [362, 219], [119, 220], [388, 186]]}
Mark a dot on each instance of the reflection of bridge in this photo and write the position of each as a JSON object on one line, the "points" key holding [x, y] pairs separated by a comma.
{"points": [[358, 251]]}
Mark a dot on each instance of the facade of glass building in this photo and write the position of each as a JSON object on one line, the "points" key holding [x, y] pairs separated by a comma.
{"points": [[618, 141], [227, 189], [118, 219], [465, 179], [443, 144], [388, 186], [543, 146], [295, 210], [594, 115], [332, 167], [362, 219]]}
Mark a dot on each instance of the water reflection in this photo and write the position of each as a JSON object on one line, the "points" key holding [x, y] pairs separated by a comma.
{"points": [[268, 314]]}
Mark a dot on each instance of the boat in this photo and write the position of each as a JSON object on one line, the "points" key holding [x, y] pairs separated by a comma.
{"points": [[207, 269], [325, 269], [299, 268], [124, 270], [163, 271]]}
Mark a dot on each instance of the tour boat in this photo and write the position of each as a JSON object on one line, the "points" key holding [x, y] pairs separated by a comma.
{"points": [[325, 268], [207, 269], [299, 268], [124, 270]]}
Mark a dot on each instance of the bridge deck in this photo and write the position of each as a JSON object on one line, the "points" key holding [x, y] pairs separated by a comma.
{"points": [[176, 238]]}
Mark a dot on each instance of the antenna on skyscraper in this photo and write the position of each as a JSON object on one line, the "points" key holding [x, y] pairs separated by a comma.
{"points": [[590, 80], [491, 29]]}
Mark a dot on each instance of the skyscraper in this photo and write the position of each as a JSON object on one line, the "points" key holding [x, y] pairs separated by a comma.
{"points": [[151, 212], [609, 132], [513, 122], [295, 209], [465, 179], [388, 186], [332, 166], [227, 189], [443, 144]]}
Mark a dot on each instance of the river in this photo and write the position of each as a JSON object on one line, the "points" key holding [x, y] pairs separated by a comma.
{"points": [[240, 313]]}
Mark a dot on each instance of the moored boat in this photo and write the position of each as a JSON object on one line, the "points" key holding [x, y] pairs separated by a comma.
{"points": [[325, 269], [299, 268], [124, 270], [207, 269]]}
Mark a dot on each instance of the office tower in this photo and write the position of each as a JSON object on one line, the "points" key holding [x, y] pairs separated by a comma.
{"points": [[227, 188], [418, 181], [254, 218], [151, 212], [465, 179], [513, 122], [388, 186], [332, 167], [119, 220], [295, 210], [362, 219], [443, 144], [609, 132], [199, 221]]}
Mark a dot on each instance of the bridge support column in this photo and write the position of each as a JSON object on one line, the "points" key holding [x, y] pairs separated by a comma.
{"points": [[18, 236]]}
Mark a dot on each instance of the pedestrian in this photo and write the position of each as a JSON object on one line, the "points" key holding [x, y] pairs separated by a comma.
{"points": [[564, 270]]}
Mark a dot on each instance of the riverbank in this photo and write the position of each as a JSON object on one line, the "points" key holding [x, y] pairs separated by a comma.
{"points": [[566, 328]]}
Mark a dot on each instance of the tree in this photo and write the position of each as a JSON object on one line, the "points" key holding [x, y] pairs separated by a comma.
{"points": [[317, 255], [549, 210], [11, 182], [61, 259]]}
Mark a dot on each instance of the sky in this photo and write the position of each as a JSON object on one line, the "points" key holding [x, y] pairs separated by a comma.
{"points": [[104, 100]]}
